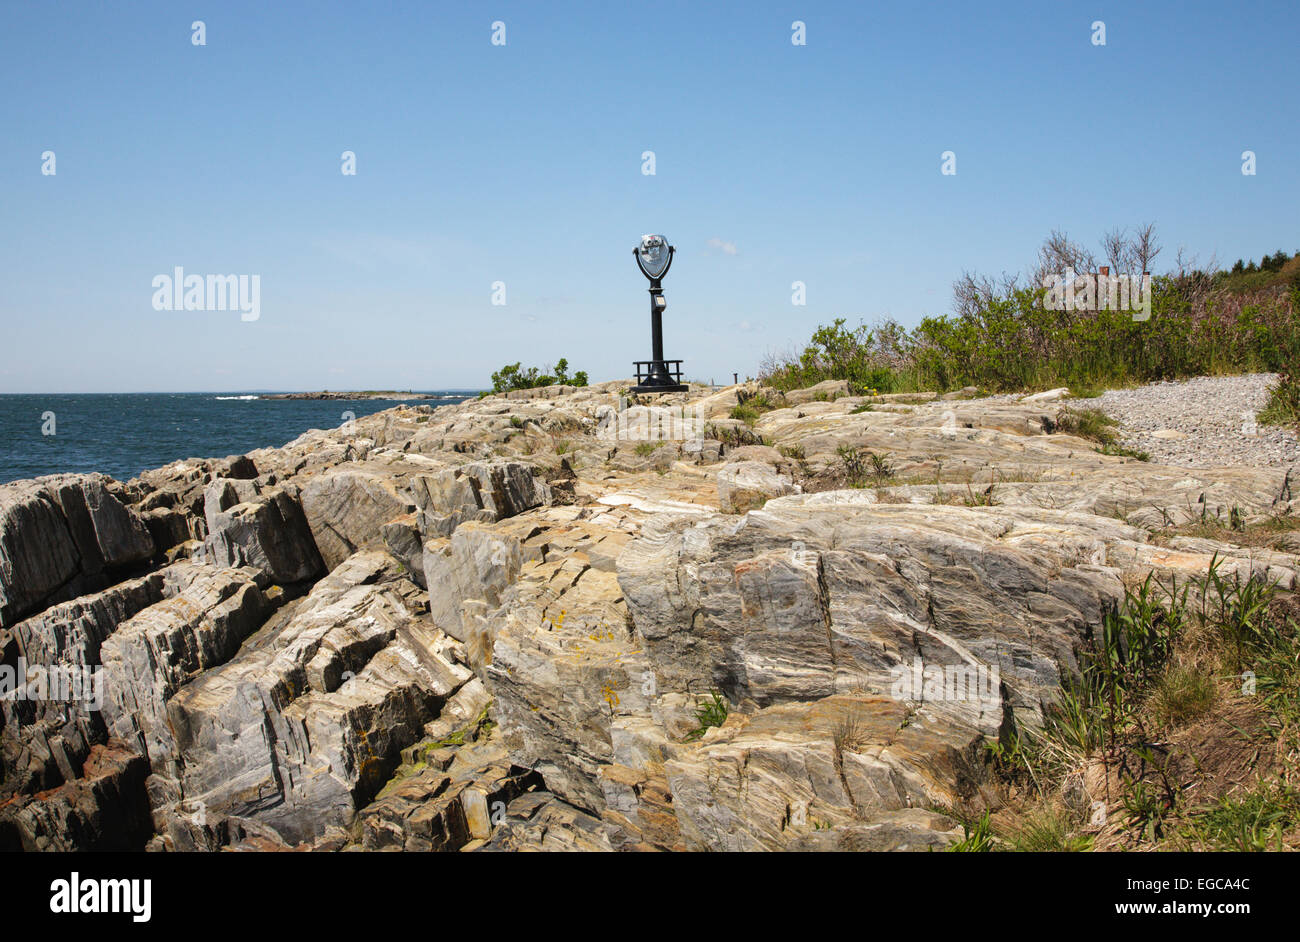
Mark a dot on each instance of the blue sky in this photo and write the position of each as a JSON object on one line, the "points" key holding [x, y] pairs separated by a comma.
{"points": [[522, 164]]}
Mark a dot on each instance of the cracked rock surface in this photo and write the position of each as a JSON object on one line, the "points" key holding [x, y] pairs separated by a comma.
{"points": [[499, 625]]}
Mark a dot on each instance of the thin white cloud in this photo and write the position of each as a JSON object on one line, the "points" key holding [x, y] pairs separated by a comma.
{"points": [[728, 248]]}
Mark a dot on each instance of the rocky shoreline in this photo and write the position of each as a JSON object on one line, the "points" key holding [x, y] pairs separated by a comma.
{"points": [[492, 625]]}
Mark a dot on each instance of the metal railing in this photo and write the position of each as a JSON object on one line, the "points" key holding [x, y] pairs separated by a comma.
{"points": [[646, 368]]}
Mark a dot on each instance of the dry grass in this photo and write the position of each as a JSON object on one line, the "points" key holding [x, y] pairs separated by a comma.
{"points": [[1271, 533]]}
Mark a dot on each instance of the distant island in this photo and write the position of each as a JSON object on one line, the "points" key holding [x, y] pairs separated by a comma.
{"points": [[364, 394]]}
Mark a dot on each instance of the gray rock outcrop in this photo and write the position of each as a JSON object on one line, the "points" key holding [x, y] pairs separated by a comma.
{"points": [[499, 625], [61, 536], [268, 532], [346, 509]]}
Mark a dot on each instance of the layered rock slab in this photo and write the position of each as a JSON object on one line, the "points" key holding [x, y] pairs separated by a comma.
{"points": [[775, 779], [103, 809], [43, 742], [157, 652], [347, 509], [61, 536], [268, 531], [308, 723], [482, 491], [831, 592]]}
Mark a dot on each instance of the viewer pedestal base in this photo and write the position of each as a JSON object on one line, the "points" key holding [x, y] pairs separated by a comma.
{"points": [[659, 376]]}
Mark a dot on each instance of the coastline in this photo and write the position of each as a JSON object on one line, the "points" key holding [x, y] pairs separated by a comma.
{"points": [[466, 606], [124, 434]]}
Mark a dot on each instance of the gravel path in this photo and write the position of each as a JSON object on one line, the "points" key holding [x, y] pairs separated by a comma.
{"points": [[1204, 422]]}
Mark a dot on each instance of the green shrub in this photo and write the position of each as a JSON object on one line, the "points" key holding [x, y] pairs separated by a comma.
{"points": [[1283, 406], [863, 468], [1092, 424], [864, 357], [1095, 425], [1199, 324], [750, 407], [1123, 451], [512, 377]]}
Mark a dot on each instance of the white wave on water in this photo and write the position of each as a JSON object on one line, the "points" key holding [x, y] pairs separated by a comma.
{"points": [[236, 397]]}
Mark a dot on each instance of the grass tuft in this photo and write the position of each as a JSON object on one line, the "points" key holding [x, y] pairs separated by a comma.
{"points": [[710, 712]]}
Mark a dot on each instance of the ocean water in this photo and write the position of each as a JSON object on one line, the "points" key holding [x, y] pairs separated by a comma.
{"points": [[122, 434]]}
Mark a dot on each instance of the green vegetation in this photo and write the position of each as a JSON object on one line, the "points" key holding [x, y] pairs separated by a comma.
{"points": [[512, 377], [1188, 708], [711, 711], [1095, 425], [1004, 338], [1255, 820], [978, 836], [982, 498], [1266, 532], [868, 359], [1182, 693], [864, 468], [1276, 269], [1123, 451], [1283, 406], [472, 731], [1092, 424], [1048, 828], [750, 406], [731, 436]]}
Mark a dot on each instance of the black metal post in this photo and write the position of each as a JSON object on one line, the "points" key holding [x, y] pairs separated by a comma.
{"points": [[657, 328]]}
